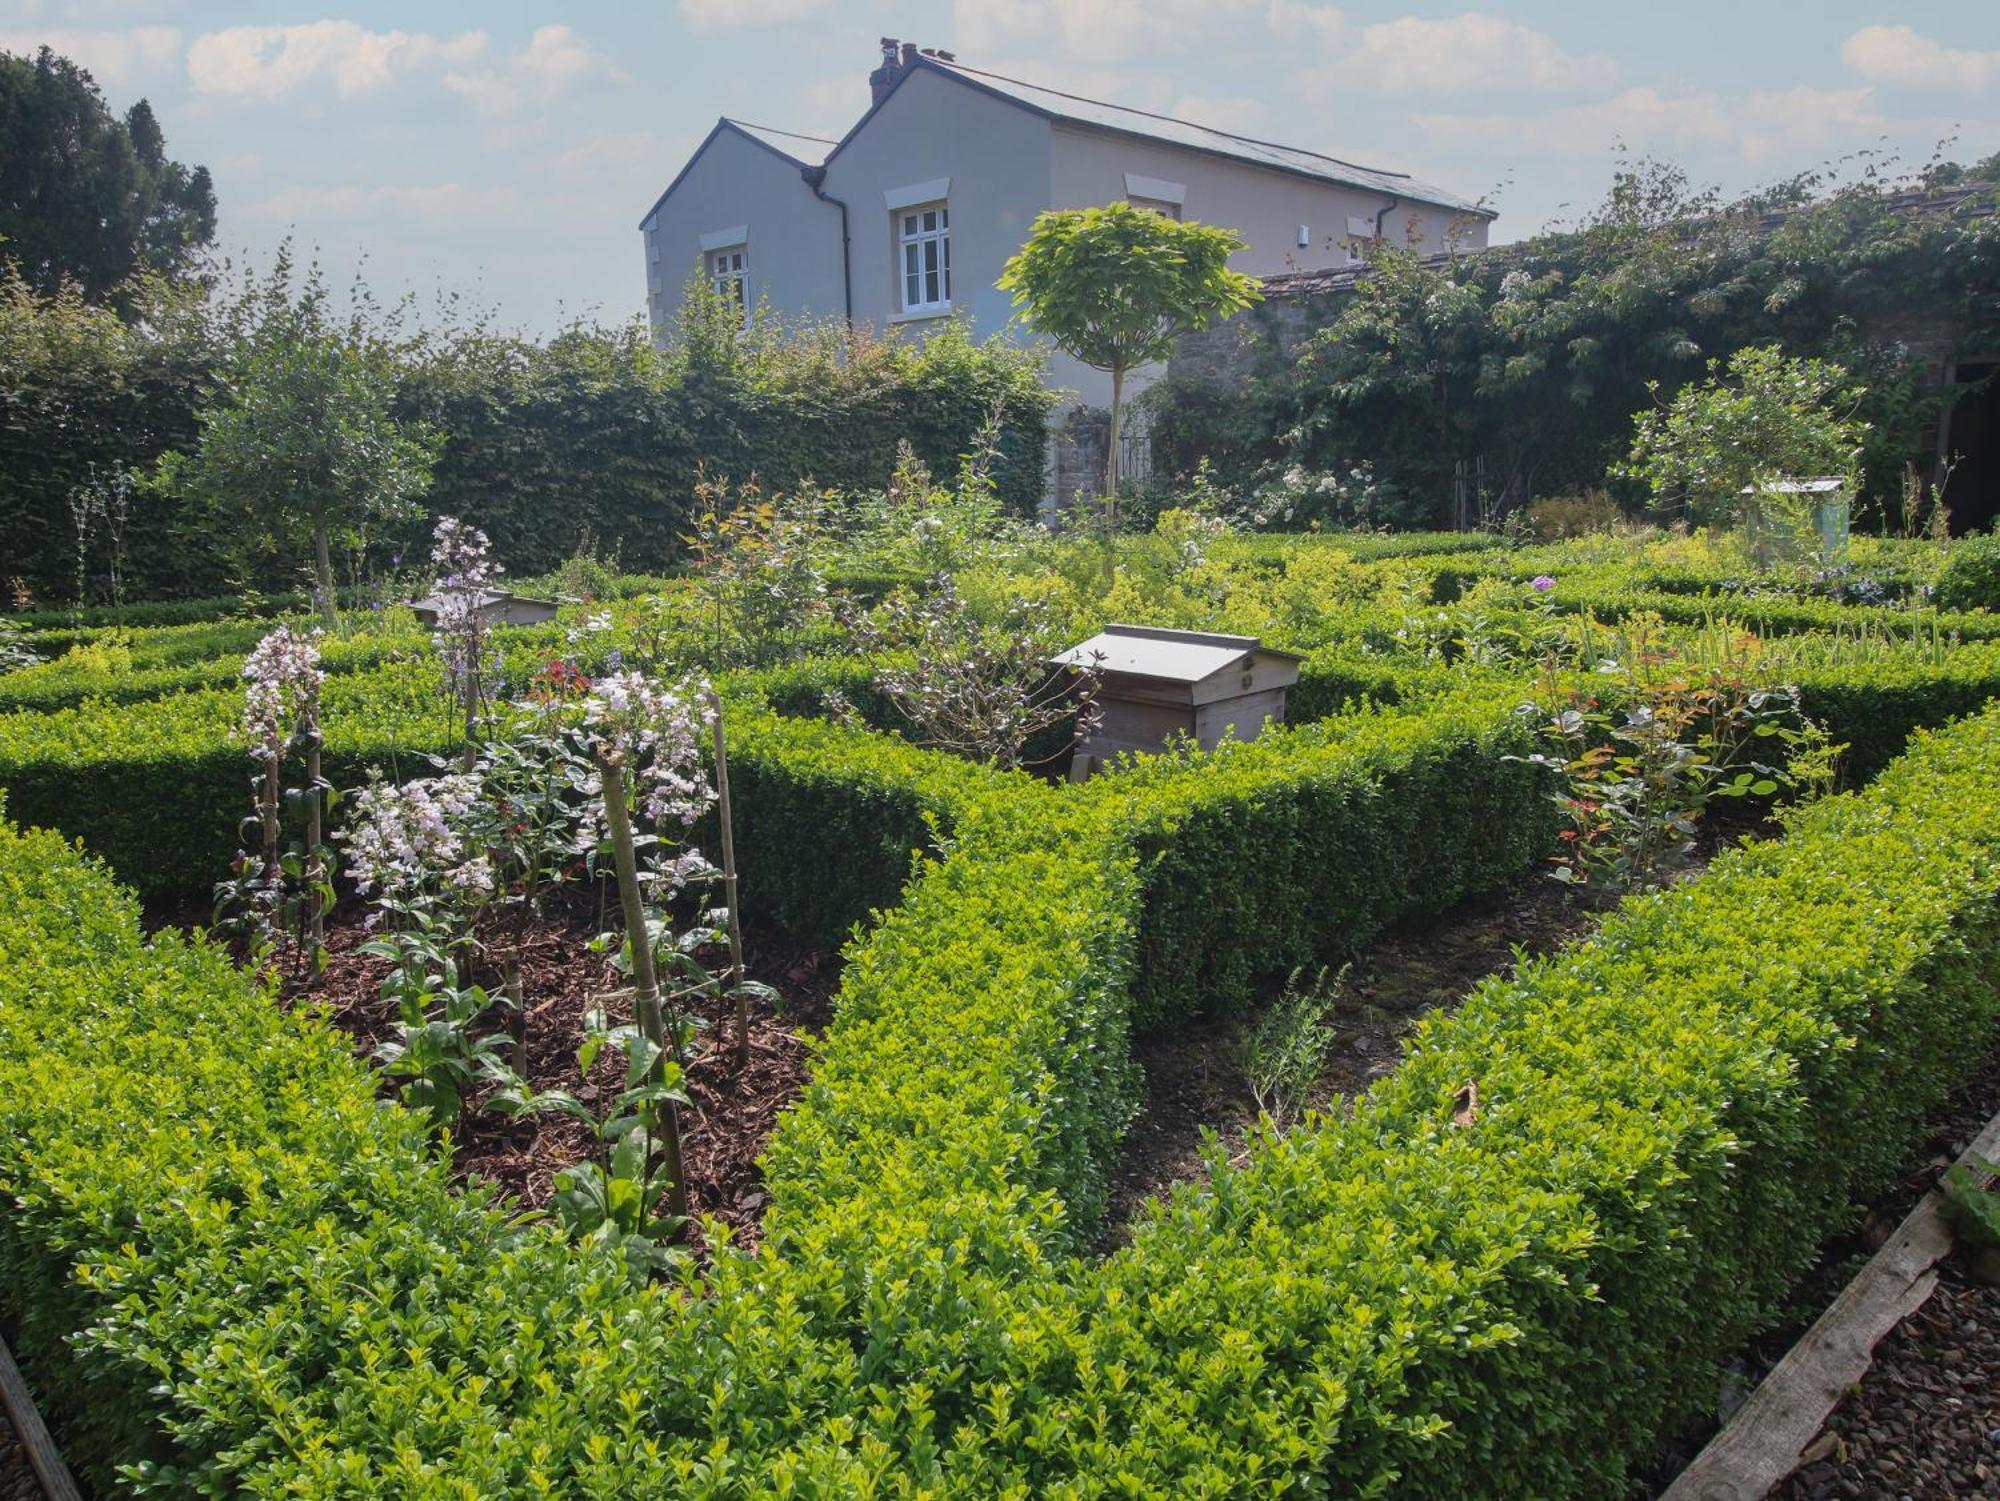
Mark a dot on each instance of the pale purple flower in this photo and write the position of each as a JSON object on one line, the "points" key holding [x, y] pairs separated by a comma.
{"points": [[1541, 583], [284, 679], [462, 561], [658, 730], [402, 839]]}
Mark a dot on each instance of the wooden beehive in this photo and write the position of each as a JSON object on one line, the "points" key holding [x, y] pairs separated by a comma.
{"points": [[1155, 683], [496, 607]]}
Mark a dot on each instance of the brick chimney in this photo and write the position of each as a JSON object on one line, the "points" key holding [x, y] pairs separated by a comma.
{"points": [[884, 77]]}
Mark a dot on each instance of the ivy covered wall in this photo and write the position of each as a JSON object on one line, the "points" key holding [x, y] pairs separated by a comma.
{"points": [[1528, 360]]}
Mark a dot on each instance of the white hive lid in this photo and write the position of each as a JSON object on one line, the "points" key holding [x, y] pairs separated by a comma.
{"points": [[1162, 654]]}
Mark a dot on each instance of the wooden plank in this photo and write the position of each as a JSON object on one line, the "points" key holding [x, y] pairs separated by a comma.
{"points": [[43, 1456], [1762, 1443], [33, 1434]]}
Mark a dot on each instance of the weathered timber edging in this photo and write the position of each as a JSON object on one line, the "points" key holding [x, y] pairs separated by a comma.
{"points": [[1766, 1438], [33, 1434]]}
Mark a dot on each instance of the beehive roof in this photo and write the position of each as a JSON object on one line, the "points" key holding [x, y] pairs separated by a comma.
{"points": [[1167, 655]]}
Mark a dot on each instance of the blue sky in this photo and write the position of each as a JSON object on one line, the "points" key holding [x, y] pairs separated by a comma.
{"points": [[506, 152]]}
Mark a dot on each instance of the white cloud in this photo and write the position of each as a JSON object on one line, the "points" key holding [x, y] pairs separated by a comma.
{"points": [[113, 57], [435, 205], [1467, 53], [555, 61], [273, 62], [617, 151], [732, 15], [1898, 54], [1093, 30], [1759, 127], [1296, 21]]}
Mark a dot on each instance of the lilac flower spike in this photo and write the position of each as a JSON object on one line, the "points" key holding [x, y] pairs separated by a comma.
{"points": [[1541, 583]]}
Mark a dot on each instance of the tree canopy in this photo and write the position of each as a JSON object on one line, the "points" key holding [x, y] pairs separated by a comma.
{"points": [[1116, 286], [85, 196]]}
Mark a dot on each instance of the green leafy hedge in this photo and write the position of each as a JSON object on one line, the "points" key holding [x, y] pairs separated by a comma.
{"points": [[266, 1288]]}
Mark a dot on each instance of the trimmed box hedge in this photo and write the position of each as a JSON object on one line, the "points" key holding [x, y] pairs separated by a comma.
{"points": [[252, 1279]]}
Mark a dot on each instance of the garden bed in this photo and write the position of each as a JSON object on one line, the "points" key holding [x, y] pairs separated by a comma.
{"points": [[1194, 1079], [562, 979]]}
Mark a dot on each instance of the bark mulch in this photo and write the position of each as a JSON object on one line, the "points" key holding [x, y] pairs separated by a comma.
{"points": [[732, 1117]]}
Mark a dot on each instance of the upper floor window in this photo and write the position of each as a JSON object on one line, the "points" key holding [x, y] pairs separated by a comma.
{"points": [[729, 274], [1158, 206], [925, 238]]}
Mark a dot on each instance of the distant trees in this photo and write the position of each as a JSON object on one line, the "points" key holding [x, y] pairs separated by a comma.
{"points": [[85, 196]]}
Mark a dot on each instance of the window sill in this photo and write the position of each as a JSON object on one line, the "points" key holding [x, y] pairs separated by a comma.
{"points": [[922, 314]]}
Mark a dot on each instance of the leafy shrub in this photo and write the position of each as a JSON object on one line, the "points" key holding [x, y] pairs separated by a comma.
{"points": [[1970, 579], [1577, 514], [1287, 1048]]}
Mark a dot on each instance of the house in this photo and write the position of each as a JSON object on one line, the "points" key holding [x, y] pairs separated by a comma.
{"points": [[908, 218]]}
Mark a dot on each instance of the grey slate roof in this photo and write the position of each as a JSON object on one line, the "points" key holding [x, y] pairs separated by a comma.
{"points": [[1074, 109]]}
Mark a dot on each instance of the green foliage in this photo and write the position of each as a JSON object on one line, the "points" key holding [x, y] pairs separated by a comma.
{"points": [[87, 199], [299, 443], [1556, 517], [1534, 356], [1770, 419], [1286, 1049], [1970, 578], [1115, 286]]}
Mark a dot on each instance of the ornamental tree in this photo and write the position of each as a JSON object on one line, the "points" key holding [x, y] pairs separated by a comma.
{"points": [[1115, 286], [299, 431]]}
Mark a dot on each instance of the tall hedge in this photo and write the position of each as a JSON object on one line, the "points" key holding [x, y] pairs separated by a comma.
{"points": [[594, 433]]}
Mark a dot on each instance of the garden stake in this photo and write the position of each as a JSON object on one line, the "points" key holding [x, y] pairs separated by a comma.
{"points": [[666, 1124], [729, 890]]}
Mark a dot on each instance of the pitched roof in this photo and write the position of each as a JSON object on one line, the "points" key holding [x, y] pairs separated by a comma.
{"points": [[755, 134], [1093, 114]]}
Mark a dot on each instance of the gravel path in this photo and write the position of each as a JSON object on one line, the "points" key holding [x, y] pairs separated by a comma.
{"points": [[1924, 1424]]}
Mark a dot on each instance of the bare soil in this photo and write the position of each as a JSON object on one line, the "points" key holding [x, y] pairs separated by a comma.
{"points": [[732, 1116]]}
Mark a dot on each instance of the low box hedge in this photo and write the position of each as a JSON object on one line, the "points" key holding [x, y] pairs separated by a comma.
{"points": [[252, 1278]]}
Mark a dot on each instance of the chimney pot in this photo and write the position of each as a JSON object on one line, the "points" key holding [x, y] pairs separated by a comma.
{"points": [[909, 53], [884, 77]]}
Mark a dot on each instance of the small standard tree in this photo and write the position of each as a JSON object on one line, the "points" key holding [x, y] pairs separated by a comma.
{"points": [[1115, 286], [300, 434], [1718, 448]]}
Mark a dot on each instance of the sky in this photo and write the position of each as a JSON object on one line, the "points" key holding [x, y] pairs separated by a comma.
{"points": [[505, 152]]}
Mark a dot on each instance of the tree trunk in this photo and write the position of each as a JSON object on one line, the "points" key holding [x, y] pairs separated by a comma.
{"points": [[1111, 475], [323, 572], [666, 1123], [724, 816]]}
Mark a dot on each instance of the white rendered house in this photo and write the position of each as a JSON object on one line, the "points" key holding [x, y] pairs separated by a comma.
{"points": [[908, 218]]}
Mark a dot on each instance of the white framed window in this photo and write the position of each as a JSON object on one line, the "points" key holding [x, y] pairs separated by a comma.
{"points": [[1360, 236], [1158, 206], [729, 274], [923, 236]]}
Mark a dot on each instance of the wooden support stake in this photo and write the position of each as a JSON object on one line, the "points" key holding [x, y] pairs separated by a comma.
{"points": [[1763, 1442], [43, 1456]]}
